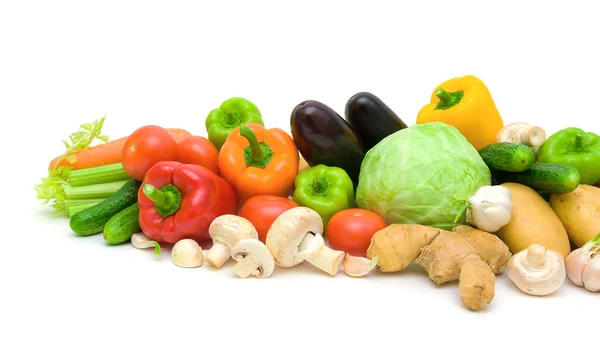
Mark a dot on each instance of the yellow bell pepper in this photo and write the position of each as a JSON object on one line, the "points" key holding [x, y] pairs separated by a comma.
{"points": [[465, 103]]}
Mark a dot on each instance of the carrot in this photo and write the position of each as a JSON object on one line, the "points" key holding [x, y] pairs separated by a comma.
{"points": [[106, 153]]}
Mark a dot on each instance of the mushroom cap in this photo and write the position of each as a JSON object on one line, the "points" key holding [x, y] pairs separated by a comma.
{"points": [[288, 232], [187, 253], [537, 270], [256, 250], [228, 229]]}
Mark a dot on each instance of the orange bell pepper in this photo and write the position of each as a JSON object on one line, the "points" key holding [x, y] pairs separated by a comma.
{"points": [[259, 161]]}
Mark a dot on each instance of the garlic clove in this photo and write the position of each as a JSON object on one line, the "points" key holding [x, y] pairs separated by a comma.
{"points": [[591, 275], [187, 253], [576, 262], [358, 266], [141, 241]]}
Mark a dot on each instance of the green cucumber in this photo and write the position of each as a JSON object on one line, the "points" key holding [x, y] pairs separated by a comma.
{"points": [[91, 221], [122, 226], [505, 156], [543, 177]]}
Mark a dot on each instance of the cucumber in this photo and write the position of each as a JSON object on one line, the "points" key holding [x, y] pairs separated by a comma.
{"points": [[91, 221], [122, 226], [505, 156], [543, 177]]}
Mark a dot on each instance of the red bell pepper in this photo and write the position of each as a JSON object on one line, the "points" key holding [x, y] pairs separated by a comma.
{"points": [[179, 201]]}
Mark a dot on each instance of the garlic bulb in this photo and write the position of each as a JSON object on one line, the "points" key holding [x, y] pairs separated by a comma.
{"points": [[583, 265], [490, 208]]}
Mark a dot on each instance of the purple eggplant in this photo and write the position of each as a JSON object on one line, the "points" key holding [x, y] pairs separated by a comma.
{"points": [[324, 137]]}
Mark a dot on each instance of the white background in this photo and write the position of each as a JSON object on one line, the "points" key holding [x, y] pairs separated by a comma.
{"points": [[169, 63]]}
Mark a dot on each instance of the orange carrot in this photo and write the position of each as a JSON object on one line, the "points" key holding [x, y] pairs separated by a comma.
{"points": [[106, 153]]}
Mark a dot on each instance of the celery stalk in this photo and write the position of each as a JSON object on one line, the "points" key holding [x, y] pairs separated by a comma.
{"points": [[72, 203], [74, 210], [92, 191], [98, 175], [51, 186], [69, 203]]}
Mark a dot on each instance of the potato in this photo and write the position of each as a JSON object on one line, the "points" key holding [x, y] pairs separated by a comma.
{"points": [[533, 222], [579, 211]]}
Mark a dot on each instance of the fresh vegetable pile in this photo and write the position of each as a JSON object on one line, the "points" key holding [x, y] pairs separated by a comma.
{"points": [[462, 194]]}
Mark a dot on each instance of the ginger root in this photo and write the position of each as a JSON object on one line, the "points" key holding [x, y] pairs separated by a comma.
{"points": [[409, 238], [466, 254], [302, 164], [474, 282]]}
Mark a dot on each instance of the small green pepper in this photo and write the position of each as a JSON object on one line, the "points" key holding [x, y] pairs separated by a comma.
{"points": [[325, 189], [577, 148], [232, 113]]}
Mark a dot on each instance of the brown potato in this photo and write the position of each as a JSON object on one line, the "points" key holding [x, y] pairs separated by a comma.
{"points": [[533, 222], [579, 211]]}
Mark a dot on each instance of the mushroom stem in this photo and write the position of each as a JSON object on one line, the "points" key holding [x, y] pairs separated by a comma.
{"points": [[246, 267], [218, 254], [536, 256], [522, 133], [325, 258], [532, 136]]}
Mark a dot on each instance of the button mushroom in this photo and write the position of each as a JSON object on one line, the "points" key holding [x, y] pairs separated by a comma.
{"points": [[225, 231], [537, 270], [253, 258], [295, 236], [187, 253], [522, 133]]}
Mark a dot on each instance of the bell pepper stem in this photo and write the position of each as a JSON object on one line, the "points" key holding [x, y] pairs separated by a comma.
{"points": [[256, 151], [231, 119], [167, 199], [320, 186], [257, 154], [578, 142], [448, 100], [444, 96]]}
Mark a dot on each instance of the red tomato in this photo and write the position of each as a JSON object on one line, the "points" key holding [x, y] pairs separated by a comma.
{"points": [[351, 230], [145, 147], [262, 210], [198, 150]]}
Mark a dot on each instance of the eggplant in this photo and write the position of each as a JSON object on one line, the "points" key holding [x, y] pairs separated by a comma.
{"points": [[324, 137], [371, 119]]}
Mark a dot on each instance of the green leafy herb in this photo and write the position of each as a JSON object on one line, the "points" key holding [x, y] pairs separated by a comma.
{"points": [[51, 186]]}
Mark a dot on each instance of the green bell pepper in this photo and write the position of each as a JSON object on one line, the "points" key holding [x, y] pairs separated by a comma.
{"points": [[235, 111], [325, 189], [577, 148]]}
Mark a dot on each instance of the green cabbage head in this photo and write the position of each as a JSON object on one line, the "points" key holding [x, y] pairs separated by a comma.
{"points": [[420, 175]]}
